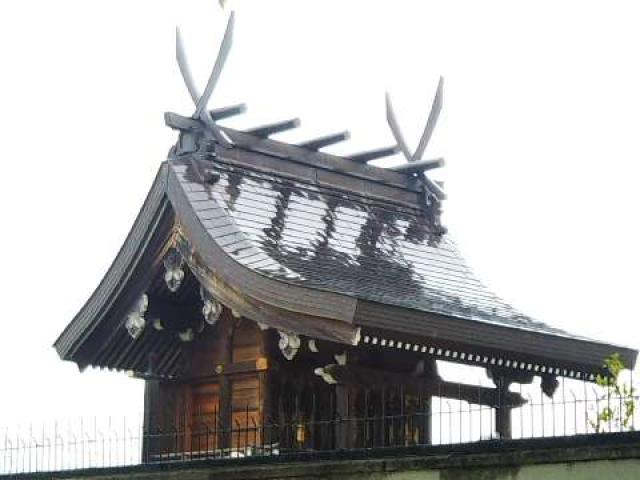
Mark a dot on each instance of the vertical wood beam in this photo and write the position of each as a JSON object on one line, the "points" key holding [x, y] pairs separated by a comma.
{"points": [[430, 375], [503, 421], [226, 327], [503, 409], [425, 416], [342, 411], [266, 402], [225, 415], [151, 392]]}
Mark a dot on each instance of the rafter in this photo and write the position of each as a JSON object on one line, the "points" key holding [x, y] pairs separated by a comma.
{"points": [[325, 141], [226, 112], [269, 129], [419, 166], [364, 157]]}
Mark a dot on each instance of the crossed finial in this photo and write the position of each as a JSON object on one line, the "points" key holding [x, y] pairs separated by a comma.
{"points": [[415, 163], [201, 101]]}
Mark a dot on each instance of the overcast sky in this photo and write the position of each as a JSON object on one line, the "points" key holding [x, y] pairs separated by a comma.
{"points": [[539, 130]]}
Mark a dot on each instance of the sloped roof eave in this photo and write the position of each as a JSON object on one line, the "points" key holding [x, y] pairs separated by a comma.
{"points": [[343, 307], [582, 354], [131, 251]]}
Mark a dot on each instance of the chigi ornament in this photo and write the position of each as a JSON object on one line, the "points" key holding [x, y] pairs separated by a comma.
{"points": [[288, 286]]}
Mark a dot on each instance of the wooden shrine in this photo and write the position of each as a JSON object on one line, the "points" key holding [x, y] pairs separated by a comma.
{"points": [[273, 295]]}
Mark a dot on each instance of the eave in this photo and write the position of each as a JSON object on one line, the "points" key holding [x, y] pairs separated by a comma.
{"points": [[184, 213]]}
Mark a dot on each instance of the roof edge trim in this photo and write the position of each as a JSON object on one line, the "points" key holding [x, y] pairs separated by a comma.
{"points": [[554, 347], [133, 247]]}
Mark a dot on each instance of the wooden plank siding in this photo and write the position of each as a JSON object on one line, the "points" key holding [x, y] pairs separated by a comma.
{"points": [[246, 398], [219, 401], [205, 407]]}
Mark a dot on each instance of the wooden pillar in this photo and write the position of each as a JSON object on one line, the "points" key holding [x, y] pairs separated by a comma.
{"points": [[503, 409], [266, 378], [504, 400], [151, 392], [225, 416], [264, 409], [344, 427], [425, 417], [225, 331], [503, 421]]}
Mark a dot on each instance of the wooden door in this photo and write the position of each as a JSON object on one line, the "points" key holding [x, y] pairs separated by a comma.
{"points": [[245, 413], [205, 418]]}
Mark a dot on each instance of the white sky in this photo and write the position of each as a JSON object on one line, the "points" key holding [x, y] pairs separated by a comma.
{"points": [[539, 129]]}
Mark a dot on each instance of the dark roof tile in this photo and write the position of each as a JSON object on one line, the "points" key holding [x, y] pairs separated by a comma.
{"points": [[322, 238]]}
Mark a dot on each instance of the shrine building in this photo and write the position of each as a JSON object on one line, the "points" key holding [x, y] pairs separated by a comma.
{"points": [[273, 296]]}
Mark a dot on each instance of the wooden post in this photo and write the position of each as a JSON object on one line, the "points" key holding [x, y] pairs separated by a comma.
{"points": [[503, 421], [343, 433], [503, 409], [264, 409], [425, 424], [151, 392], [225, 415], [506, 400], [226, 328]]}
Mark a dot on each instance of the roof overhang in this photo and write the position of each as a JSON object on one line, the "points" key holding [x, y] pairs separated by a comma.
{"points": [[185, 216]]}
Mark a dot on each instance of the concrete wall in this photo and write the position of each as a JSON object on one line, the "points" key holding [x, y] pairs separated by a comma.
{"points": [[601, 457]]}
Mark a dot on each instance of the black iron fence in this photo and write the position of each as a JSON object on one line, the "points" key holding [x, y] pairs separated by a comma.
{"points": [[90, 443]]}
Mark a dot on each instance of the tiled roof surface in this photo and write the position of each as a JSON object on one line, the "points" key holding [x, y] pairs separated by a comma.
{"points": [[342, 242]]}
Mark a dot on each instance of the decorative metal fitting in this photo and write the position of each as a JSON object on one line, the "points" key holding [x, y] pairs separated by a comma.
{"points": [[187, 335], [174, 270], [211, 308], [341, 359], [289, 344], [357, 336], [135, 322], [323, 373]]}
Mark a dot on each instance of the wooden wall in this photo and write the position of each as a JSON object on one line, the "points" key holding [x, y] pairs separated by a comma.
{"points": [[237, 390], [221, 387]]}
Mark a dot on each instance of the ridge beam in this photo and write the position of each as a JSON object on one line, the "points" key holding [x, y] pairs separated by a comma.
{"points": [[419, 166], [369, 155], [265, 131], [226, 112], [326, 140]]}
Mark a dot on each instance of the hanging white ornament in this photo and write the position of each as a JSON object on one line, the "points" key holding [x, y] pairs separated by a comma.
{"points": [[135, 321], [187, 335], [211, 308], [325, 375], [174, 271], [289, 344]]}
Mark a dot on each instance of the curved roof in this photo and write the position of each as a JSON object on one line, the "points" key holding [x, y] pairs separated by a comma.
{"points": [[307, 242], [341, 242]]}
